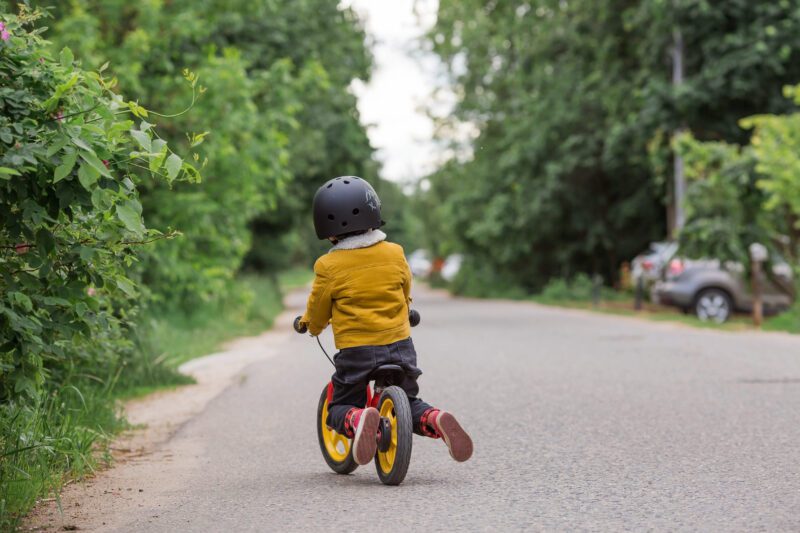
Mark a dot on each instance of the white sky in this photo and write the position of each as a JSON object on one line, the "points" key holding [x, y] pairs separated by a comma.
{"points": [[402, 82]]}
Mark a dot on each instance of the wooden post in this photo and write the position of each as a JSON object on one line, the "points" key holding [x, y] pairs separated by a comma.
{"points": [[758, 254], [597, 281], [758, 306], [639, 297]]}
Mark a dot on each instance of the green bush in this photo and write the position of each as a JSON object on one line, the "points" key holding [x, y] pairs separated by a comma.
{"points": [[73, 156], [481, 280], [71, 161], [577, 289]]}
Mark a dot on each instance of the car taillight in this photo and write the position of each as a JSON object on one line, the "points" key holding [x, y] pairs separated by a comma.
{"points": [[676, 267], [647, 264]]}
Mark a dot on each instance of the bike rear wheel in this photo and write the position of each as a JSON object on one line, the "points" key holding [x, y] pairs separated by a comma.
{"points": [[392, 464], [336, 449]]}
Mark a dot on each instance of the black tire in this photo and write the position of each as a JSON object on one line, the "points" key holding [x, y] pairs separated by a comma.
{"points": [[403, 425], [713, 305], [345, 466]]}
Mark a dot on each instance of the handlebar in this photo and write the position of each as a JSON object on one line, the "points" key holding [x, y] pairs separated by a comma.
{"points": [[298, 326], [413, 318]]}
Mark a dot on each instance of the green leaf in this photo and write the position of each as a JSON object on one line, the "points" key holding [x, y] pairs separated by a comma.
{"points": [[96, 163], [6, 173], [21, 300], [54, 300], [157, 159], [173, 165], [66, 57], [143, 139], [56, 146], [130, 218], [77, 141], [101, 198], [45, 240], [87, 175], [86, 253], [126, 286], [65, 168]]}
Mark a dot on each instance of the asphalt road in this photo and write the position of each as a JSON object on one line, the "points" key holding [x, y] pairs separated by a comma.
{"points": [[580, 421]]}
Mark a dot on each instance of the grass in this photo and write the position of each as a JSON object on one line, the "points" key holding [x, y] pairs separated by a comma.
{"points": [[622, 303], [179, 336], [577, 294], [65, 434], [43, 445]]}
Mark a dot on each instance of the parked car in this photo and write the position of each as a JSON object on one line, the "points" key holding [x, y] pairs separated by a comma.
{"points": [[451, 266], [649, 264], [420, 263], [713, 290]]}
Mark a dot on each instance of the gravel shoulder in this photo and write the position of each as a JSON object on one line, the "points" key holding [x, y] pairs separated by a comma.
{"points": [[139, 454]]}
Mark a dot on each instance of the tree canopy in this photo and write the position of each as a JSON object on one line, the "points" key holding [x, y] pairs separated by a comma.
{"points": [[575, 108]]}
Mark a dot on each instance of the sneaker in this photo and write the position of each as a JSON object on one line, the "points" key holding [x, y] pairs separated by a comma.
{"points": [[457, 440], [365, 444]]}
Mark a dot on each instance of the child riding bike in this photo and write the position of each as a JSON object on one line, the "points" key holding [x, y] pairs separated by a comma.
{"points": [[362, 286]]}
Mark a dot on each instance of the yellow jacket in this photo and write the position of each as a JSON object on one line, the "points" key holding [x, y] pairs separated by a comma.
{"points": [[364, 293]]}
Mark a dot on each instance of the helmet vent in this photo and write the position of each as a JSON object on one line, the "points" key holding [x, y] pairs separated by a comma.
{"points": [[331, 217], [346, 182], [344, 223], [330, 185], [356, 211]]}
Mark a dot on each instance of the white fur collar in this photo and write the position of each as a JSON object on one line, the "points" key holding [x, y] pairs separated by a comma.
{"points": [[365, 240]]}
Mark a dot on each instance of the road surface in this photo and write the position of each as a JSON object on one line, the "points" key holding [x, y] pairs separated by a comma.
{"points": [[580, 421]]}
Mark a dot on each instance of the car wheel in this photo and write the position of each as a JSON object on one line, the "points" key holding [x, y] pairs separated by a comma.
{"points": [[713, 305]]}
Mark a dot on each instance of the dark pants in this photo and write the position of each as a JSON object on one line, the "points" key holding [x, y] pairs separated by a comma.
{"points": [[353, 366]]}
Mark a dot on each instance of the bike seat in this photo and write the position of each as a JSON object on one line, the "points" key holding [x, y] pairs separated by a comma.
{"points": [[388, 374]]}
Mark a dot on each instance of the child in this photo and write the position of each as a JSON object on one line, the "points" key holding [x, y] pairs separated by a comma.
{"points": [[362, 287]]}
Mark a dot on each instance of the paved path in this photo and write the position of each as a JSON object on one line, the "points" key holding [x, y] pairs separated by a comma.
{"points": [[580, 421]]}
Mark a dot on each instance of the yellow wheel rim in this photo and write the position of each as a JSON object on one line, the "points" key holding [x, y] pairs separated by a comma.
{"points": [[337, 446], [386, 459]]}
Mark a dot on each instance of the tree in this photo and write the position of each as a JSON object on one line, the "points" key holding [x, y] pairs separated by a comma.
{"points": [[276, 104], [575, 109]]}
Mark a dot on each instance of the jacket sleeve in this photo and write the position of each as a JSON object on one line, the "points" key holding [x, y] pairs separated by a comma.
{"points": [[407, 278], [319, 308]]}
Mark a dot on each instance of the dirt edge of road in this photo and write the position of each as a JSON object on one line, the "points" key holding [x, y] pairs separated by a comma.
{"points": [[155, 418]]}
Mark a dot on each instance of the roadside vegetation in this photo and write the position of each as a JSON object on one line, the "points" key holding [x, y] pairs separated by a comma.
{"points": [[585, 181]]}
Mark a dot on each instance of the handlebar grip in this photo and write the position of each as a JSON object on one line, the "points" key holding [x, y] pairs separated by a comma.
{"points": [[299, 327], [413, 317]]}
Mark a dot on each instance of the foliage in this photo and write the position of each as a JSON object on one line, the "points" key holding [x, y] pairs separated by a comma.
{"points": [[741, 195], [723, 204], [74, 156], [776, 148], [247, 108], [250, 308], [72, 160], [478, 279], [41, 440], [573, 107]]}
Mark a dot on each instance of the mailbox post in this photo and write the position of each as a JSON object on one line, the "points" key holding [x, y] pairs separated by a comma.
{"points": [[758, 254]]}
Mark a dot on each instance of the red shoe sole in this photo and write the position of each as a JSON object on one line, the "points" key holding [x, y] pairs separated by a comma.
{"points": [[364, 443], [457, 440]]}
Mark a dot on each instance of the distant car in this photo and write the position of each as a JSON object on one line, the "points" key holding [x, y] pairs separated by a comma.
{"points": [[714, 291], [420, 263], [451, 266], [649, 264]]}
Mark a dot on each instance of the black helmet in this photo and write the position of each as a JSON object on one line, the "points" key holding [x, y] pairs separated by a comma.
{"points": [[346, 204]]}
